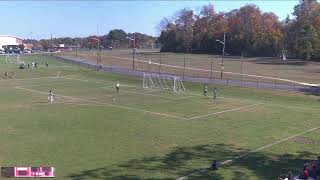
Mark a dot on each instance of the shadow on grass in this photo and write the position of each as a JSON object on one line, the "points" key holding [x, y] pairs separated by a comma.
{"points": [[183, 161]]}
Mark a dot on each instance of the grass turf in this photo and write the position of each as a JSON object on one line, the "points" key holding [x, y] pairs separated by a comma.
{"points": [[148, 134]]}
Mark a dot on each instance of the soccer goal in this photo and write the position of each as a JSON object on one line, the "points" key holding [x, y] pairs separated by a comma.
{"points": [[165, 82]]}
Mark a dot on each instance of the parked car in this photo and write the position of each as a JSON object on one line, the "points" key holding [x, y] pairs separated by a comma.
{"points": [[15, 51], [27, 51]]}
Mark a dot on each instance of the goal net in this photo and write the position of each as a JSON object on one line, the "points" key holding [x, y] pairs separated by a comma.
{"points": [[14, 59], [165, 82]]}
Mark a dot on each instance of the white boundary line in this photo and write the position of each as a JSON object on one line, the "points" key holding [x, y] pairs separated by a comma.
{"points": [[75, 79], [137, 109], [261, 101], [229, 110], [47, 84], [108, 104], [22, 79], [99, 81], [253, 151]]}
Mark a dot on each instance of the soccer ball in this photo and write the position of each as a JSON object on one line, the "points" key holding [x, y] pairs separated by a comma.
{"points": [[113, 99]]}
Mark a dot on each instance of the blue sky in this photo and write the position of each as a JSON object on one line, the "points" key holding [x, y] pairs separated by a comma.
{"points": [[35, 19]]}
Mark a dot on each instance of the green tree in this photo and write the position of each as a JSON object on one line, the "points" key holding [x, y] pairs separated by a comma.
{"points": [[306, 32]]}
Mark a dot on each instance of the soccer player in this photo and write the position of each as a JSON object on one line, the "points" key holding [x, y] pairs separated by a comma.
{"points": [[50, 97], [214, 93], [205, 91], [117, 87], [6, 75], [47, 64]]}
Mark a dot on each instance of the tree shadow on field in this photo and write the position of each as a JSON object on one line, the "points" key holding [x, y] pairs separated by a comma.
{"points": [[183, 161], [277, 61]]}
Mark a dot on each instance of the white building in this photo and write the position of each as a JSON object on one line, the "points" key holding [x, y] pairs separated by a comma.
{"points": [[9, 41]]}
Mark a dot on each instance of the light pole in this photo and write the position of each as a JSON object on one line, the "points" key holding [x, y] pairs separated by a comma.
{"points": [[224, 45], [211, 75], [134, 47], [76, 47], [51, 46]]}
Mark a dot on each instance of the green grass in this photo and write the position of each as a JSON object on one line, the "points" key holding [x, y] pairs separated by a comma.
{"points": [[148, 134]]}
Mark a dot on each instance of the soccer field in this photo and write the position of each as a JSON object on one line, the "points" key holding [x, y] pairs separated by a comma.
{"points": [[91, 132]]}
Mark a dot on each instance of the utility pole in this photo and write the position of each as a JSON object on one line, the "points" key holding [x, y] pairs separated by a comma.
{"points": [[211, 73], [76, 47], [160, 64], [241, 66], [98, 52], [184, 65], [134, 49], [224, 45], [51, 46]]}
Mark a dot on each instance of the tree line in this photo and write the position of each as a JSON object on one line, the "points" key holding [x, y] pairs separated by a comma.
{"points": [[116, 38], [248, 30]]}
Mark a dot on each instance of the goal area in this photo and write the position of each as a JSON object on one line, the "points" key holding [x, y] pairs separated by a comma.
{"points": [[165, 82]]}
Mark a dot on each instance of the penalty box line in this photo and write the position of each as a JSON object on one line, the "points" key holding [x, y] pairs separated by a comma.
{"points": [[148, 94], [137, 109], [126, 85], [224, 111], [108, 104]]}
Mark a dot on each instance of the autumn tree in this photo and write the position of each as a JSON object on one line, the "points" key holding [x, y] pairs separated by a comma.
{"points": [[184, 25]]}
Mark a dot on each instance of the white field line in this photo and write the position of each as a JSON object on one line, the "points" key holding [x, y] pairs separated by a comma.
{"points": [[100, 81], [125, 85], [253, 151], [144, 94], [47, 84], [226, 72], [23, 79], [108, 104], [219, 97], [185, 97], [137, 109], [261, 101], [220, 112], [75, 79]]}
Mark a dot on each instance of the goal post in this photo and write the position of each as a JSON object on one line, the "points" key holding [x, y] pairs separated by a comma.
{"points": [[165, 82]]}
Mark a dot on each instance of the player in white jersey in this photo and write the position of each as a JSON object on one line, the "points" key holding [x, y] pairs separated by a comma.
{"points": [[50, 97], [117, 86]]}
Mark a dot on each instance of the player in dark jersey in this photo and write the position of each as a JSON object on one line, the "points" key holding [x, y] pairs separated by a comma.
{"points": [[214, 91]]}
